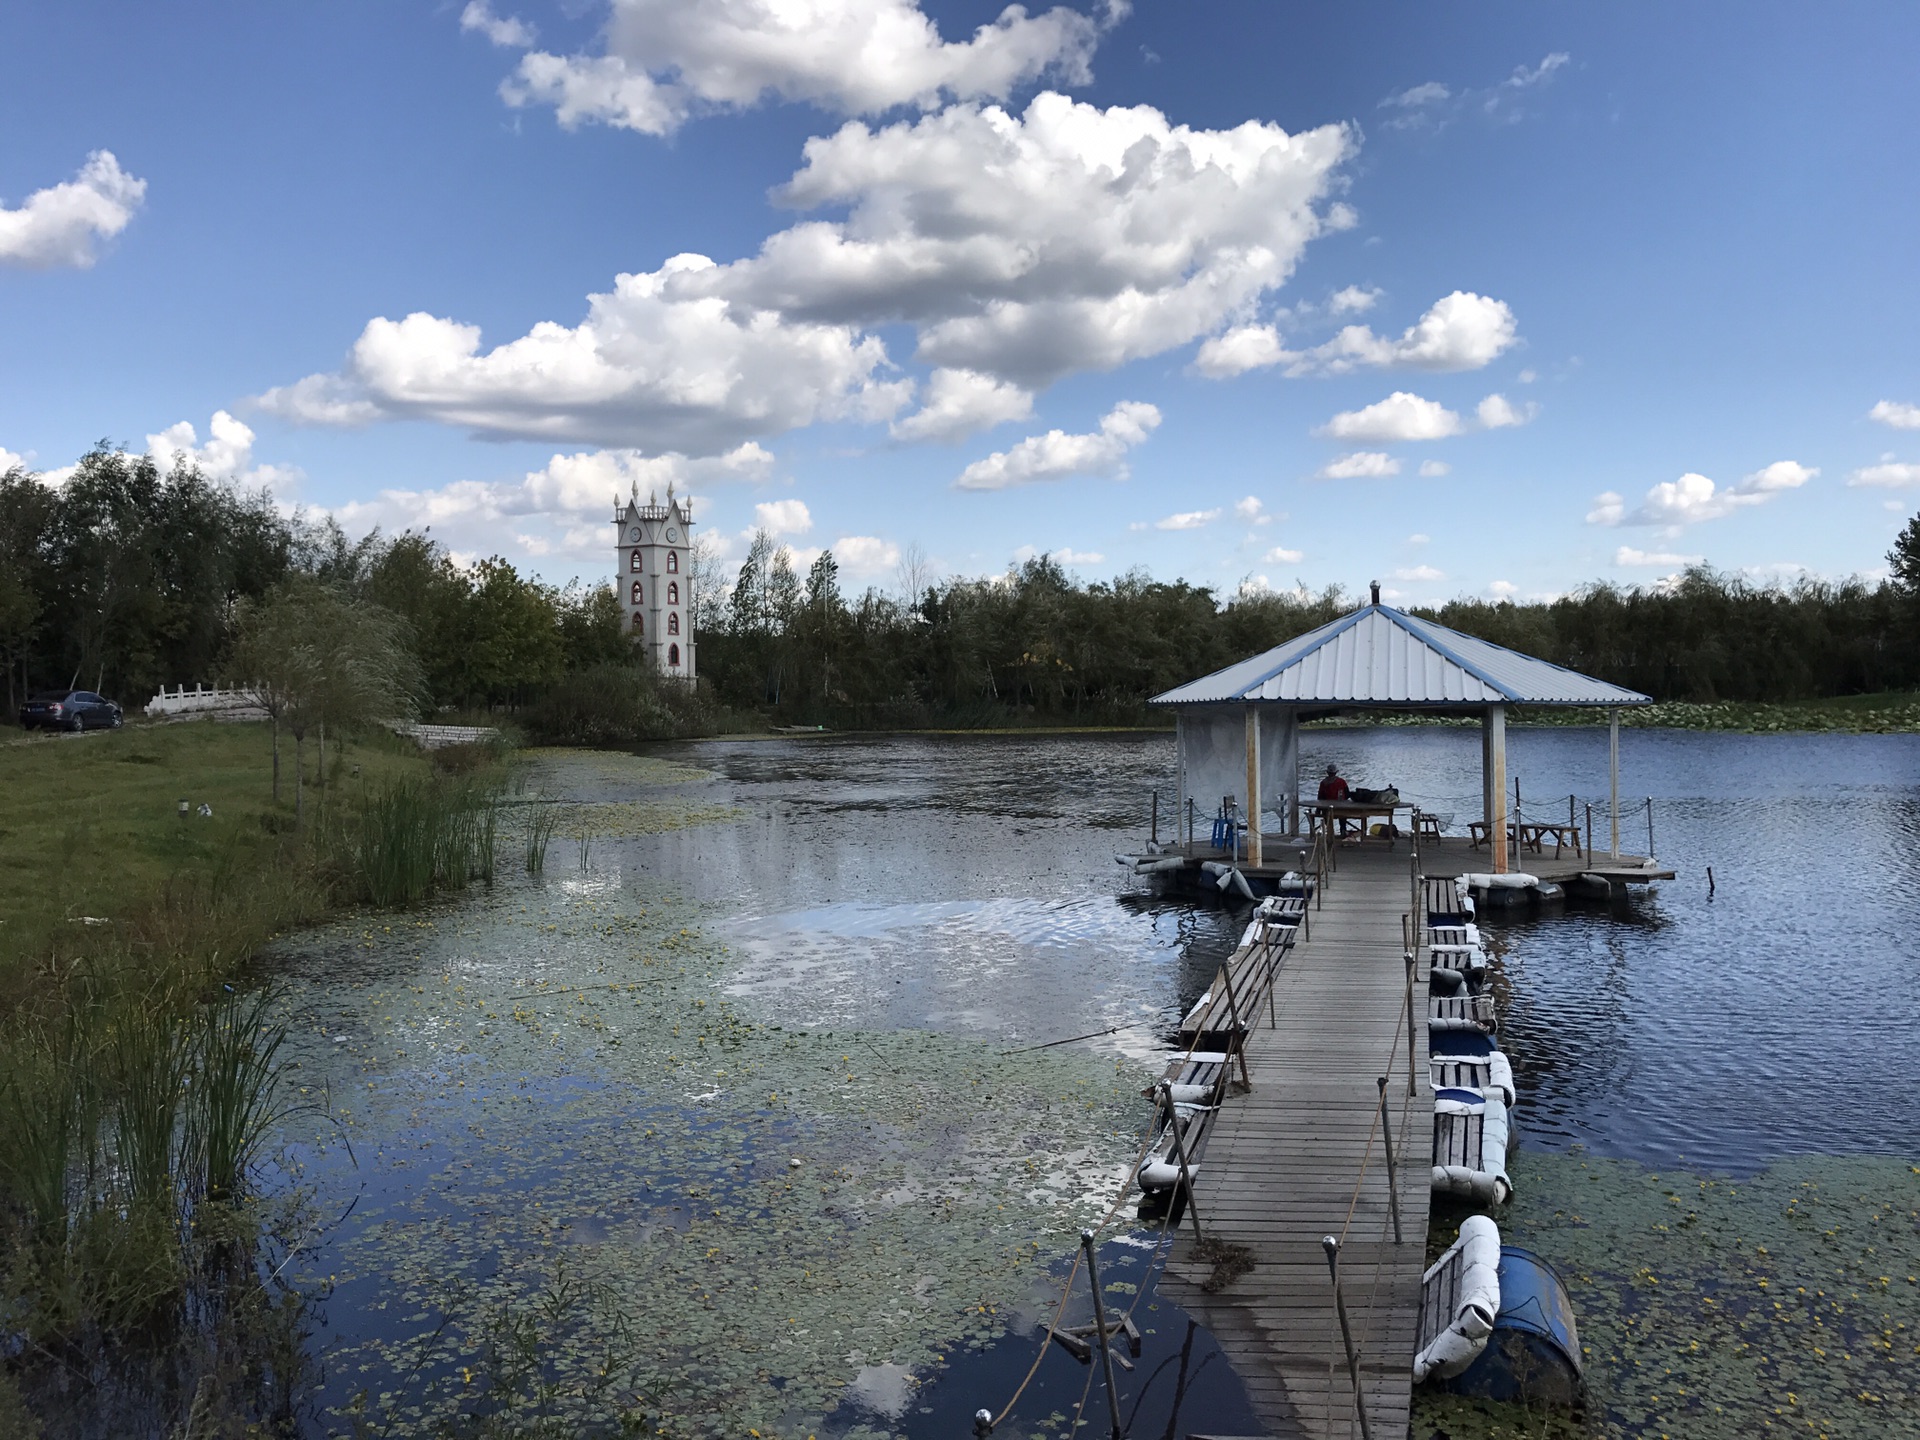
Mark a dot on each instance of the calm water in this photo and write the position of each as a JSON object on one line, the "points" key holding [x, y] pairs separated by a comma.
{"points": [[965, 886], [969, 884]]}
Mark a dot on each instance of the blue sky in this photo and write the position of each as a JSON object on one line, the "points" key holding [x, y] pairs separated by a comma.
{"points": [[1476, 299]]}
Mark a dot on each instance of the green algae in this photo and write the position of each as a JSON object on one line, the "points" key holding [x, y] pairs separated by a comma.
{"points": [[1784, 1303], [554, 1082]]}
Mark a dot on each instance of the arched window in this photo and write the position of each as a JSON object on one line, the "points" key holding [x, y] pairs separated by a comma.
{"points": [[639, 625], [673, 655], [673, 622], [673, 592], [637, 592], [633, 562], [673, 562]]}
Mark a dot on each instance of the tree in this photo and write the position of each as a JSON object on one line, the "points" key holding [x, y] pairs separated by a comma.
{"points": [[1904, 559]]}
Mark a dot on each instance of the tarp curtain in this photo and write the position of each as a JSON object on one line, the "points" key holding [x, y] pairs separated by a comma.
{"points": [[1213, 760]]}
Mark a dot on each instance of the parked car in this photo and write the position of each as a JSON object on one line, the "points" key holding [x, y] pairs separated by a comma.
{"points": [[69, 710]]}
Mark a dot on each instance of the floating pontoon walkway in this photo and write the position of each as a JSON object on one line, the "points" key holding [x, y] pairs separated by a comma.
{"points": [[1300, 1157]]}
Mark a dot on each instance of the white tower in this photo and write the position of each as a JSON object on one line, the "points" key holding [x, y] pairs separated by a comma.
{"points": [[652, 574]]}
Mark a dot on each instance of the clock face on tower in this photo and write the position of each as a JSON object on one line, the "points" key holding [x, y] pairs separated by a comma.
{"points": [[634, 533], [672, 534]]}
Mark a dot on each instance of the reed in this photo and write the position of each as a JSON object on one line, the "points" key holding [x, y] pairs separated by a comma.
{"points": [[543, 818], [147, 1064], [236, 1096], [416, 837]]}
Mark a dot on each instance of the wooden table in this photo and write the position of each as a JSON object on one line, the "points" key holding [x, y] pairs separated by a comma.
{"points": [[1350, 818]]}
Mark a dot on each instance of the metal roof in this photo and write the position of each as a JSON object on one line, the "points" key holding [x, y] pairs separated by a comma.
{"points": [[1385, 657]]}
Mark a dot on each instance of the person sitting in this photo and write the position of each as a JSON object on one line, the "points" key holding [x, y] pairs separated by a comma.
{"points": [[1334, 788]]}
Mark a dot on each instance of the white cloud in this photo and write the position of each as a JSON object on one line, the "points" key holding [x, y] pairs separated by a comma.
{"points": [[1353, 300], [783, 517], [1527, 376], [1065, 238], [1187, 520], [1431, 93], [1419, 572], [508, 32], [1401, 416], [58, 226], [1503, 589], [960, 402], [1018, 247], [1252, 510], [1419, 539], [227, 456], [658, 363], [1525, 77], [1890, 473], [1434, 469], [865, 555], [1896, 414], [1461, 331], [1243, 348], [1496, 412], [1057, 455], [1627, 555], [1078, 557], [1693, 497], [1280, 555], [1361, 465], [664, 59], [11, 461]]}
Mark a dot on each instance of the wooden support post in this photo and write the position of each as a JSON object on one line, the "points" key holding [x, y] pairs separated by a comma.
{"points": [[1332, 1247], [1100, 1323], [1412, 1020], [1254, 847], [1589, 835], [1496, 777], [1649, 827], [1154, 837], [1393, 1179]]}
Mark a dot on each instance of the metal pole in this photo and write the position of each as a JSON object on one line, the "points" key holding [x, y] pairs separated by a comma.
{"points": [[1412, 1087], [1649, 827], [1332, 1247], [1100, 1324], [1613, 781], [1393, 1180], [1180, 1154], [1589, 834], [1155, 838]]}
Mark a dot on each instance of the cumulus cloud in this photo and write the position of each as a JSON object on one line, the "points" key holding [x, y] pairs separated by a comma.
{"points": [[1401, 416], [1461, 331], [1353, 300], [227, 455], [959, 403], [1503, 589], [1889, 473], [1626, 555], [866, 555], [60, 225], [1252, 510], [1496, 412], [663, 60], [1894, 413], [1243, 348], [1280, 555], [1419, 572], [1187, 520], [1361, 465], [1077, 557], [1434, 469], [1693, 497], [658, 363], [1057, 455], [1018, 248], [508, 32], [783, 517], [9, 460]]}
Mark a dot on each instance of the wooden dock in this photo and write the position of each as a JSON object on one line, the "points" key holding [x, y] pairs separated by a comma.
{"points": [[1300, 1157]]}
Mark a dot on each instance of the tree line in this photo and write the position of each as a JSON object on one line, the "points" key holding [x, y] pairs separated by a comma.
{"points": [[127, 577]]}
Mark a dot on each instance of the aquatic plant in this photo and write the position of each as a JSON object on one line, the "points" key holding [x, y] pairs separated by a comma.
{"points": [[235, 1098], [543, 818], [416, 837]]}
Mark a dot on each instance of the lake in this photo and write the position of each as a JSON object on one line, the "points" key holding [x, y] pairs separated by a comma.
{"points": [[732, 1114]]}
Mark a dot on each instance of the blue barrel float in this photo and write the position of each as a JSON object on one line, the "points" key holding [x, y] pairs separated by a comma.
{"points": [[1534, 1351]]}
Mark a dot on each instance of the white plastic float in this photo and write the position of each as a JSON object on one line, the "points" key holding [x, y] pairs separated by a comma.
{"points": [[1470, 1146], [1225, 875], [1460, 1298], [1512, 880], [1490, 1074]]}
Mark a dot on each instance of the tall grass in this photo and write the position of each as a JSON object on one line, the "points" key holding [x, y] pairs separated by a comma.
{"points": [[543, 818], [415, 838], [236, 1096]]}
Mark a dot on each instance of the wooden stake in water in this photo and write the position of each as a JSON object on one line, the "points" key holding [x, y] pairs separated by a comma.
{"points": [[1332, 1247], [1100, 1324]]}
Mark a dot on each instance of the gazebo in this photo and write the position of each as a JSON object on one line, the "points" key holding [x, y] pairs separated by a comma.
{"points": [[1238, 728]]}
